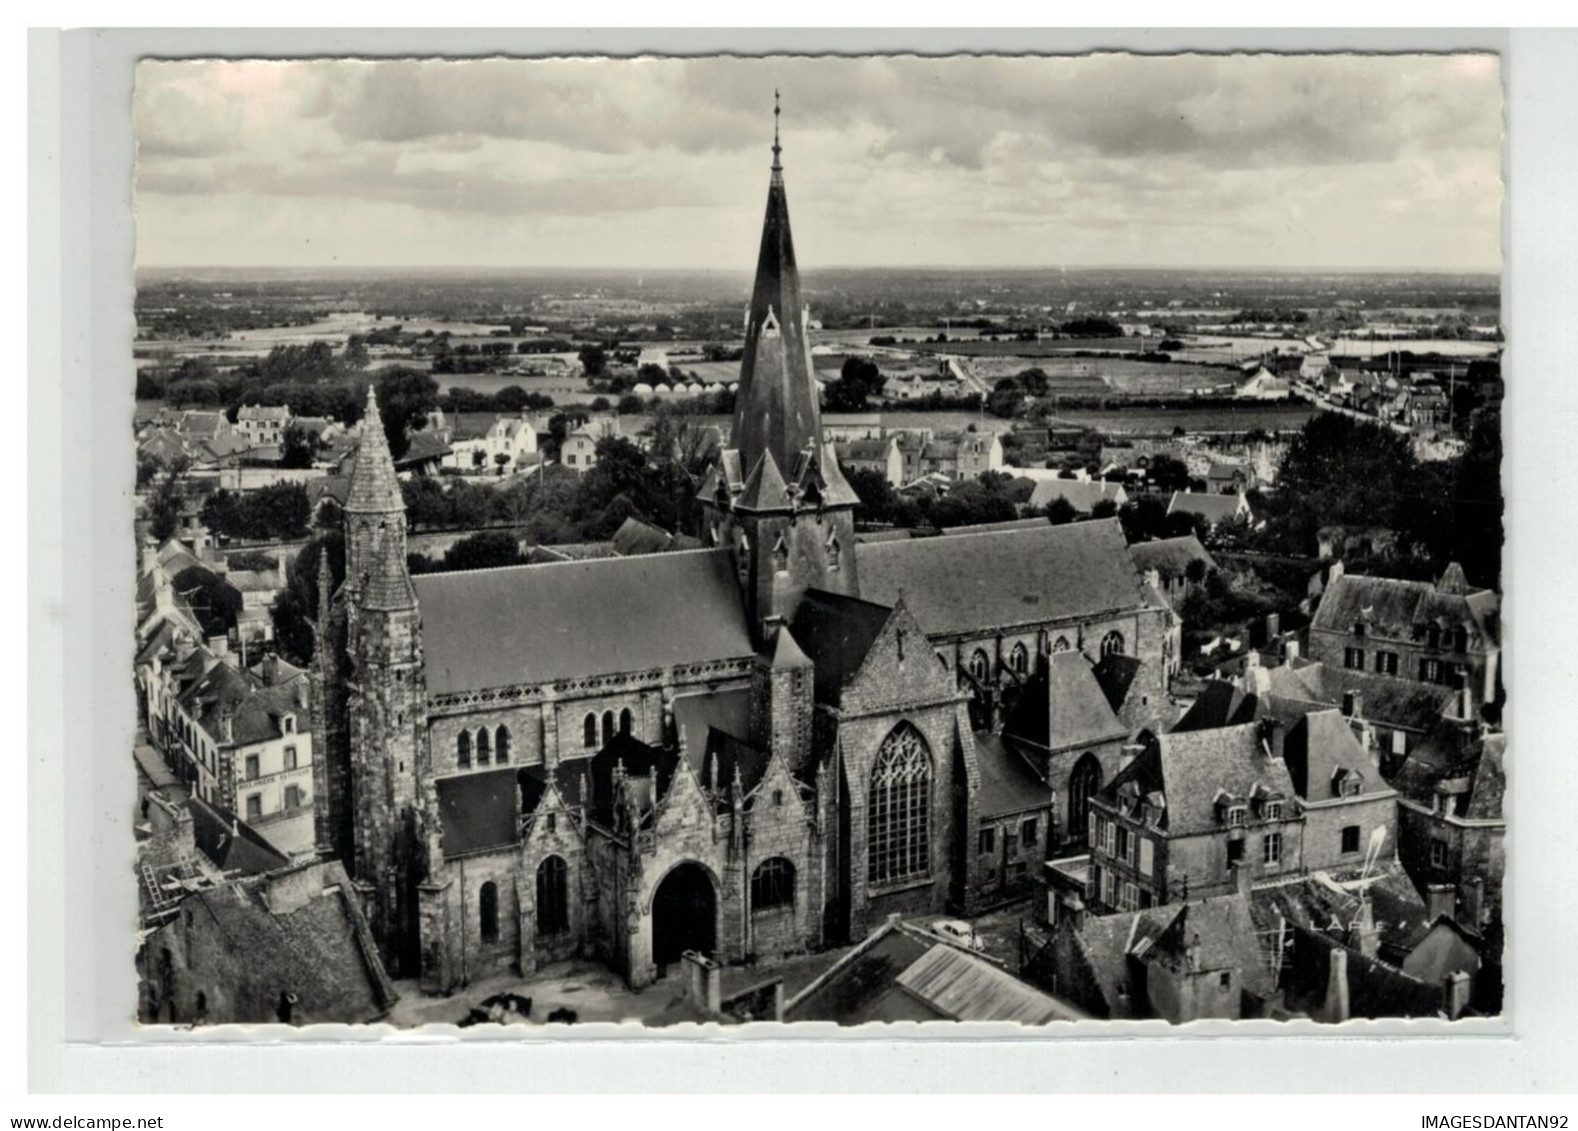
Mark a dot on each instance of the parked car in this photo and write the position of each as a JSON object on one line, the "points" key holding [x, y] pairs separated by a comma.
{"points": [[959, 932]]}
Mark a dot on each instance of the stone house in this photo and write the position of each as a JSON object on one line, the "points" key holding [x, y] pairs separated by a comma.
{"points": [[263, 425], [879, 456], [1190, 811], [1445, 633]]}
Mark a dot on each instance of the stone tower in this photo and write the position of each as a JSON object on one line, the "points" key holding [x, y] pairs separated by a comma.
{"points": [[776, 496], [385, 700]]}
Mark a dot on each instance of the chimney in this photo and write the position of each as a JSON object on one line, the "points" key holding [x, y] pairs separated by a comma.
{"points": [[227, 726], [1272, 736], [1336, 1006], [270, 668], [1290, 648], [1273, 626], [1242, 875], [219, 645], [1465, 697], [302, 690], [1472, 893], [1455, 991], [1440, 899]]}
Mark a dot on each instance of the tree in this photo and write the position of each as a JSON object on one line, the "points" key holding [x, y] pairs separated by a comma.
{"points": [[405, 397], [1104, 508], [355, 355], [502, 459], [295, 611], [488, 549], [1168, 474], [594, 362], [858, 381], [1060, 511], [164, 509], [297, 448], [877, 498]]}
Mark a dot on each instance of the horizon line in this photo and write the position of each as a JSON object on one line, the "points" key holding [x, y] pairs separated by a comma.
{"points": [[947, 267]]}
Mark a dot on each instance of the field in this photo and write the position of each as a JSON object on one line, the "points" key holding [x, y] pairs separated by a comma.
{"points": [[1272, 418]]}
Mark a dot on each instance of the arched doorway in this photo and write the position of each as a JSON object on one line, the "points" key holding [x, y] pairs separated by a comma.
{"points": [[684, 914]]}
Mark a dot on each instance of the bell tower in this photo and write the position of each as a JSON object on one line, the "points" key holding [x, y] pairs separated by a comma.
{"points": [[776, 495], [385, 700]]}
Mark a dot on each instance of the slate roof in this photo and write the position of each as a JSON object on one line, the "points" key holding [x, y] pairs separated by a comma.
{"points": [[860, 986], [1213, 508], [424, 445], [536, 623], [1115, 675], [321, 950], [1222, 934], [1321, 745], [479, 811], [973, 582], [1170, 557], [1395, 702], [1190, 769], [1474, 778], [727, 710], [1064, 707], [637, 537], [964, 987], [277, 414], [1035, 523], [725, 754], [869, 451], [1402, 609], [1401, 918], [1009, 784], [572, 778], [1219, 703], [1082, 496], [836, 632], [230, 843]]}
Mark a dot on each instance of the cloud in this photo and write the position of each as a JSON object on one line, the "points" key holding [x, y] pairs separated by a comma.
{"points": [[941, 159]]}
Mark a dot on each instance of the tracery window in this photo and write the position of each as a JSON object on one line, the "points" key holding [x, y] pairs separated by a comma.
{"points": [[1019, 659], [463, 749], [898, 831], [772, 884], [980, 666], [501, 744], [1112, 643], [484, 746]]}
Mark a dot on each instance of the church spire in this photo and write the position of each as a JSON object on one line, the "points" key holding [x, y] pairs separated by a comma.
{"points": [[374, 487], [375, 542], [776, 408]]}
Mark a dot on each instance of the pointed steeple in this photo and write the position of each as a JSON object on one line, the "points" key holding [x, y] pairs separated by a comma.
{"points": [[776, 406], [375, 543], [375, 489]]}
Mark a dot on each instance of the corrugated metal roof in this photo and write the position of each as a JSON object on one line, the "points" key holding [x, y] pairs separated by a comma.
{"points": [[967, 988]]}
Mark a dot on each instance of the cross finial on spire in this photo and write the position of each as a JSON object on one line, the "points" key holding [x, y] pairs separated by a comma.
{"points": [[777, 149]]}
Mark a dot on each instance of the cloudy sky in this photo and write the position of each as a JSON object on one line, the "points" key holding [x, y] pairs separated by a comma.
{"points": [[1187, 161]]}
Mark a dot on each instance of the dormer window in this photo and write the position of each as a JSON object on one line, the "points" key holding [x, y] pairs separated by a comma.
{"points": [[1358, 630], [1347, 783], [1273, 810], [287, 724]]}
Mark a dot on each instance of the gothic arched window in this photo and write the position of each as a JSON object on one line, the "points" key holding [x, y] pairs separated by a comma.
{"points": [[898, 828], [772, 884], [589, 732], [608, 727], [488, 912], [1083, 782], [484, 746], [463, 749], [1061, 644], [626, 721], [980, 666], [1112, 644], [501, 744], [553, 897], [1019, 659]]}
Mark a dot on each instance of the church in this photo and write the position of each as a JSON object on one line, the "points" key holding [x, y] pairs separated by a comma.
{"points": [[757, 748]]}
